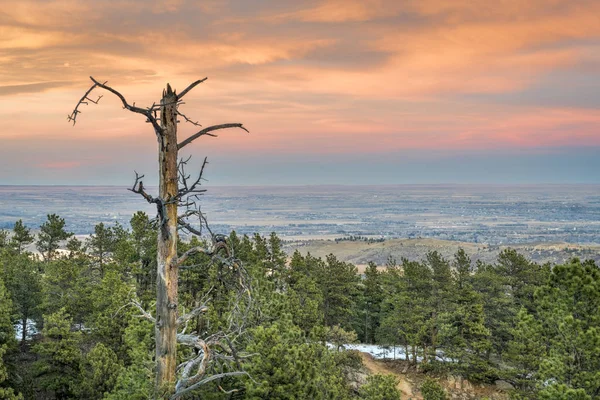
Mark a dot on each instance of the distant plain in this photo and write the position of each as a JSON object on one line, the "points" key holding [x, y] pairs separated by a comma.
{"points": [[494, 215]]}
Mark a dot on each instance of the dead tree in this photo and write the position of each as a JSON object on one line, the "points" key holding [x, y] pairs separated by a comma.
{"points": [[176, 190]]}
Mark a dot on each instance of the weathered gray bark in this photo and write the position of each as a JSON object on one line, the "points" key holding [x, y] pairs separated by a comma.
{"points": [[167, 273], [171, 172]]}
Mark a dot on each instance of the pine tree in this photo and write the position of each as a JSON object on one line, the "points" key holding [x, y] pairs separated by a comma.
{"points": [[466, 338], [339, 285], [3, 239], [58, 367], [380, 387], [498, 306], [23, 280], [441, 287], [371, 302], [21, 237], [7, 343], [67, 285], [432, 390], [52, 232], [569, 306], [286, 366], [101, 245], [99, 371]]}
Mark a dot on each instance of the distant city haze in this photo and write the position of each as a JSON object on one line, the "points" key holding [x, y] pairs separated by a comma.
{"points": [[332, 91], [493, 214]]}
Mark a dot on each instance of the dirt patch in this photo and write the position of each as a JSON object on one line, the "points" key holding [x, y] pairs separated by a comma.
{"points": [[410, 380], [378, 367]]}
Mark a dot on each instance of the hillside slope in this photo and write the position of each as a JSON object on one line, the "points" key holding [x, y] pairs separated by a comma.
{"points": [[361, 252]]}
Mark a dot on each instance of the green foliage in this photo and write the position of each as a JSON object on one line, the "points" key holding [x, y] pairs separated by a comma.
{"points": [[7, 343], [52, 232], [380, 387], [108, 315], [23, 281], [464, 334], [339, 286], [432, 390], [569, 306], [99, 371], [101, 246], [287, 366], [67, 285], [3, 239], [534, 327], [58, 368], [563, 392], [304, 294], [135, 380], [370, 304], [21, 237]]}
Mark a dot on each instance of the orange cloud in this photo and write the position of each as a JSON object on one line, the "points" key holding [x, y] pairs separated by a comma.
{"points": [[324, 76]]}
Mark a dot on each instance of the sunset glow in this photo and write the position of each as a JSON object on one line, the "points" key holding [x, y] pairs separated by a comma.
{"points": [[378, 81]]}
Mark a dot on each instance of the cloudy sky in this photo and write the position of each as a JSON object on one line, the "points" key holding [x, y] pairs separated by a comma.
{"points": [[332, 91]]}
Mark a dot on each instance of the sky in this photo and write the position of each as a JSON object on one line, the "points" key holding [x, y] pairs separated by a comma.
{"points": [[332, 91]]}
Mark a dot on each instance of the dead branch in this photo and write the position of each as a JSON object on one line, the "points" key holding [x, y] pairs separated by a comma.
{"points": [[207, 131], [187, 119], [192, 188], [201, 250], [138, 187], [192, 314], [145, 314], [201, 361], [208, 351], [190, 87], [147, 112], [207, 380], [84, 100]]}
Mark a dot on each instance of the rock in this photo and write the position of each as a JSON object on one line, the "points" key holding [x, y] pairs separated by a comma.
{"points": [[451, 380], [466, 385], [503, 385], [405, 369], [459, 382]]}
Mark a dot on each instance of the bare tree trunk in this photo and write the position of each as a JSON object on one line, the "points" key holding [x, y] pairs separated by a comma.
{"points": [[193, 374], [167, 272]]}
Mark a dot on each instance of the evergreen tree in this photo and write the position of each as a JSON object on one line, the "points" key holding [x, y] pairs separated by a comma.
{"points": [[339, 285], [525, 352], [3, 239], [67, 285], [101, 245], [432, 390], [7, 343], [286, 366], [52, 232], [135, 380], [569, 306], [276, 261], [441, 288], [23, 280], [21, 237], [466, 338], [144, 256], [371, 302], [99, 371], [58, 367], [380, 387], [498, 307], [304, 294]]}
